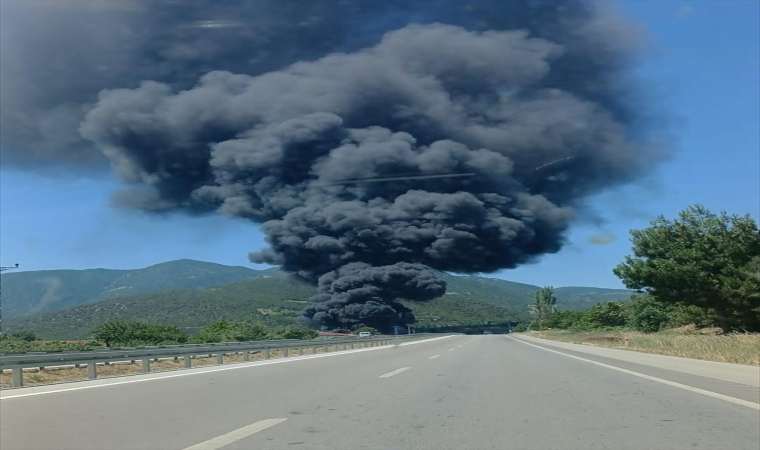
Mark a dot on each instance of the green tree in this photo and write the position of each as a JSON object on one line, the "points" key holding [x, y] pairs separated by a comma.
{"points": [[544, 304], [703, 259]]}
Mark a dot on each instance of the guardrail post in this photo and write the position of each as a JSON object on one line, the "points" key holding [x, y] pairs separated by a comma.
{"points": [[188, 361], [300, 351], [92, 371], [17, 377], [266, 353], [285, 352], [220, 358], [146, 365], [326, 348], [246, 355]]}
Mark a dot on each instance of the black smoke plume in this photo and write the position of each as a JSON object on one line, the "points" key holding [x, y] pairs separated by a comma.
{"points": [[360, 294], [369, 139]]}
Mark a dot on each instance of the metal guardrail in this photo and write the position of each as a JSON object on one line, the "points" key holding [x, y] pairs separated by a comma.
{"points": [[18, 362]]}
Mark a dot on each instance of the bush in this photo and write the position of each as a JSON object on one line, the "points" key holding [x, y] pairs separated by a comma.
{"points": [[521, 327], [22, 335], [228, 331], [366, 329], [683, 314], [121, 332], [647, 314], [564, 320], [294, 333], [608, 314], [9, 345]]}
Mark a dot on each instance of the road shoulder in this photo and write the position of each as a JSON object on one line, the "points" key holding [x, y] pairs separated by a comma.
{"points": [[732, 373]]}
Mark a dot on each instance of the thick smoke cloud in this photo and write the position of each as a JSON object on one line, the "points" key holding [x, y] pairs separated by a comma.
{"points": [[360, 294], [368, 142]]}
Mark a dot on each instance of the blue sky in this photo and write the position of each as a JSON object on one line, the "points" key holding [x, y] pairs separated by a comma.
{"points": [[704, 61]]}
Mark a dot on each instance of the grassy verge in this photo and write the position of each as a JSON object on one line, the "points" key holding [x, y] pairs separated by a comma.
{"points": [[731, 348]]}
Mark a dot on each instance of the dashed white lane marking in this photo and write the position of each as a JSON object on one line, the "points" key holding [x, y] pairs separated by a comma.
{"points": [[235, 435], [395, 372], [434, 356], [450, 350], [737, 401]]}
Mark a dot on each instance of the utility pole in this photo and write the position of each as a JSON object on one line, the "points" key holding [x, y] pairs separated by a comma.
{"points": [[3, 269]]}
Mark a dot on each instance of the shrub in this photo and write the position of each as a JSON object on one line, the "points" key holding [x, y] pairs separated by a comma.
{"points": [[647, 314], [683, 314], [521, 327], [366, 329], [228, 331], [18, 346], [22, 335], [564, 320], [121, 332], [608, 314], [294, 333]]}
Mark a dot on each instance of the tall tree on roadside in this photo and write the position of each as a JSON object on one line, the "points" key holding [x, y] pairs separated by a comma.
{"points": [[544, 304], [703, 259]]}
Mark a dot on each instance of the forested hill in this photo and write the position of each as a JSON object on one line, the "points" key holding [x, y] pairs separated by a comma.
{"points": [[40, 291], [268, 296]]}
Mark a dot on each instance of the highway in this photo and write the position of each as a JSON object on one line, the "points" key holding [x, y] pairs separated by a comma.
{"points": [[455, 392]]}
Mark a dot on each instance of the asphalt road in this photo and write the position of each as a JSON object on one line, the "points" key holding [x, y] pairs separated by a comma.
{"points": [[460, 392]]}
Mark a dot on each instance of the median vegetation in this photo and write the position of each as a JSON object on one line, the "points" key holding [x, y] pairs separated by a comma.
{"points": [[120, 333]]}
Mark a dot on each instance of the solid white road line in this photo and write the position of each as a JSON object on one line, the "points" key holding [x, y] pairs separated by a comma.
{"points": [[395, 372], [426, 340], [726, 398], [235, 435], [434, 356], [201, 370]]}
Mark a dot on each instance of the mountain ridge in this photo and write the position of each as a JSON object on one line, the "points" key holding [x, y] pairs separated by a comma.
{"points": [[192, 293]]}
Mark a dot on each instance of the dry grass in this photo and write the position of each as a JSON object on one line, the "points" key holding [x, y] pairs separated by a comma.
{"points": [[686, 343], [66, 374]]}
